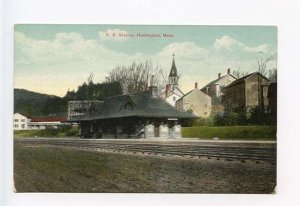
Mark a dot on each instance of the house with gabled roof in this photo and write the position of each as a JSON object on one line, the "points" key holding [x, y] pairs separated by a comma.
{"points": [[248, 92], [132, 116], [21, 121], [195, 101], [216, 90], [25, 122], [216, 87]]}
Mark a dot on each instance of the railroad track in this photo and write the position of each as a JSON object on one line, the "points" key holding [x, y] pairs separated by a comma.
{"points": [[241, 152]]}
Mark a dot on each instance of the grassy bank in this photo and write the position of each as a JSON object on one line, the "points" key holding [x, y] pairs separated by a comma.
{"points": [[231, 132], [51, 169], [66, 131]]}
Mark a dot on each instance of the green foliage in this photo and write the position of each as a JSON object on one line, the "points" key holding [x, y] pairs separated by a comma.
{"points": [[230, 119], [95, 91], [231, 132], [63, 131], [36, 104], [255, 116], [218, 120], [198, 122], [242, 118], [260, 116]]}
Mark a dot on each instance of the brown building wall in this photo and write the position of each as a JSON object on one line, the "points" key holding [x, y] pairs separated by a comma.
{"points": [[210, 91], [246, 94], [217, 108], [235, 97], [197, 101], [251, 89], [179, 104]]}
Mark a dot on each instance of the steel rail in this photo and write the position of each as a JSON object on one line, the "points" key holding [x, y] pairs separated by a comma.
{"points": [[252, 153]]}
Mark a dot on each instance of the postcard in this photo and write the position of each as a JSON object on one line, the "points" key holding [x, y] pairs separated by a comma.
{"points": [[104, 108]]}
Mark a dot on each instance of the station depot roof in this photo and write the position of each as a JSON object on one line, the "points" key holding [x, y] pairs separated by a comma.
{"points": [[132, 105]]}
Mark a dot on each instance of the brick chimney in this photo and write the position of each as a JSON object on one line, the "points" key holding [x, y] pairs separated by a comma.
{"points": [[167, 90], [196, 85], [153, 91], [228, 71], [219, 75]]}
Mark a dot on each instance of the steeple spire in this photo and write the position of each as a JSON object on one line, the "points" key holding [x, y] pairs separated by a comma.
{"points": [[173, 72], [173, 77]]}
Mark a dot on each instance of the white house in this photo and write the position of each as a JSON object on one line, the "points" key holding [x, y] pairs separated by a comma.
{"points": [[21, 122]]}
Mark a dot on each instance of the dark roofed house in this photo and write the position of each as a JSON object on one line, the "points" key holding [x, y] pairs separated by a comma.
{"points": [[127, 116], [247, 92]]}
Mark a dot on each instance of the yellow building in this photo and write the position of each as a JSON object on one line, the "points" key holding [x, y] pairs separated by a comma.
{"points": [[196, 101]]}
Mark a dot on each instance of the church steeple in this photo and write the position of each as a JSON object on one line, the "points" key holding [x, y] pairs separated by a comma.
{"points": [[173, 77]]}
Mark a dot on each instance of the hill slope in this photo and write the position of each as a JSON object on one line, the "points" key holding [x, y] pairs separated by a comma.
{"points": [[37, 104]]}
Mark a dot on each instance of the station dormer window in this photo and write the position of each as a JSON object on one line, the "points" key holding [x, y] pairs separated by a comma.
{"points": [[128, 106]]}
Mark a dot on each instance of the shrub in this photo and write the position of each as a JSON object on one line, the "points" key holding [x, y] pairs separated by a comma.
{"points": [[260, 116], [63, 131], [218, 120]]}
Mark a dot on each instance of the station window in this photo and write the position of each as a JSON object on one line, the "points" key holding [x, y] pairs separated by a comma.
{"points": [[22, 120], [16, 120], [16, 125], [128, 106], [23, 126]]}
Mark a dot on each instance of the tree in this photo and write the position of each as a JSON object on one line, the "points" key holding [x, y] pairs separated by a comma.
{"points": [[136, 77], [71, 95], [262, 70], [239, 73], [273, 75], [262, 64]]}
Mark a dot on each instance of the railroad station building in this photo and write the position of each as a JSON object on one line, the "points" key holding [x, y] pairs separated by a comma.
{"points": [[142, 115]]}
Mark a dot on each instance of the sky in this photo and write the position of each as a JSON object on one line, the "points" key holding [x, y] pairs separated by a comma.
{"points": [[53, 59]]}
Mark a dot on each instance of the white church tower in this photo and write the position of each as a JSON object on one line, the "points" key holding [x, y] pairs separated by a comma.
{"points": [[172, 92]]}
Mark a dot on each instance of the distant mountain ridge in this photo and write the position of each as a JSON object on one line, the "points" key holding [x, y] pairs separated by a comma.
{"points": [[37, 104], [26, 94]]}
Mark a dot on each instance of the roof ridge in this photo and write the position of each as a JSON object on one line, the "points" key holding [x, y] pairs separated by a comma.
{"points": [[214, 81]]}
